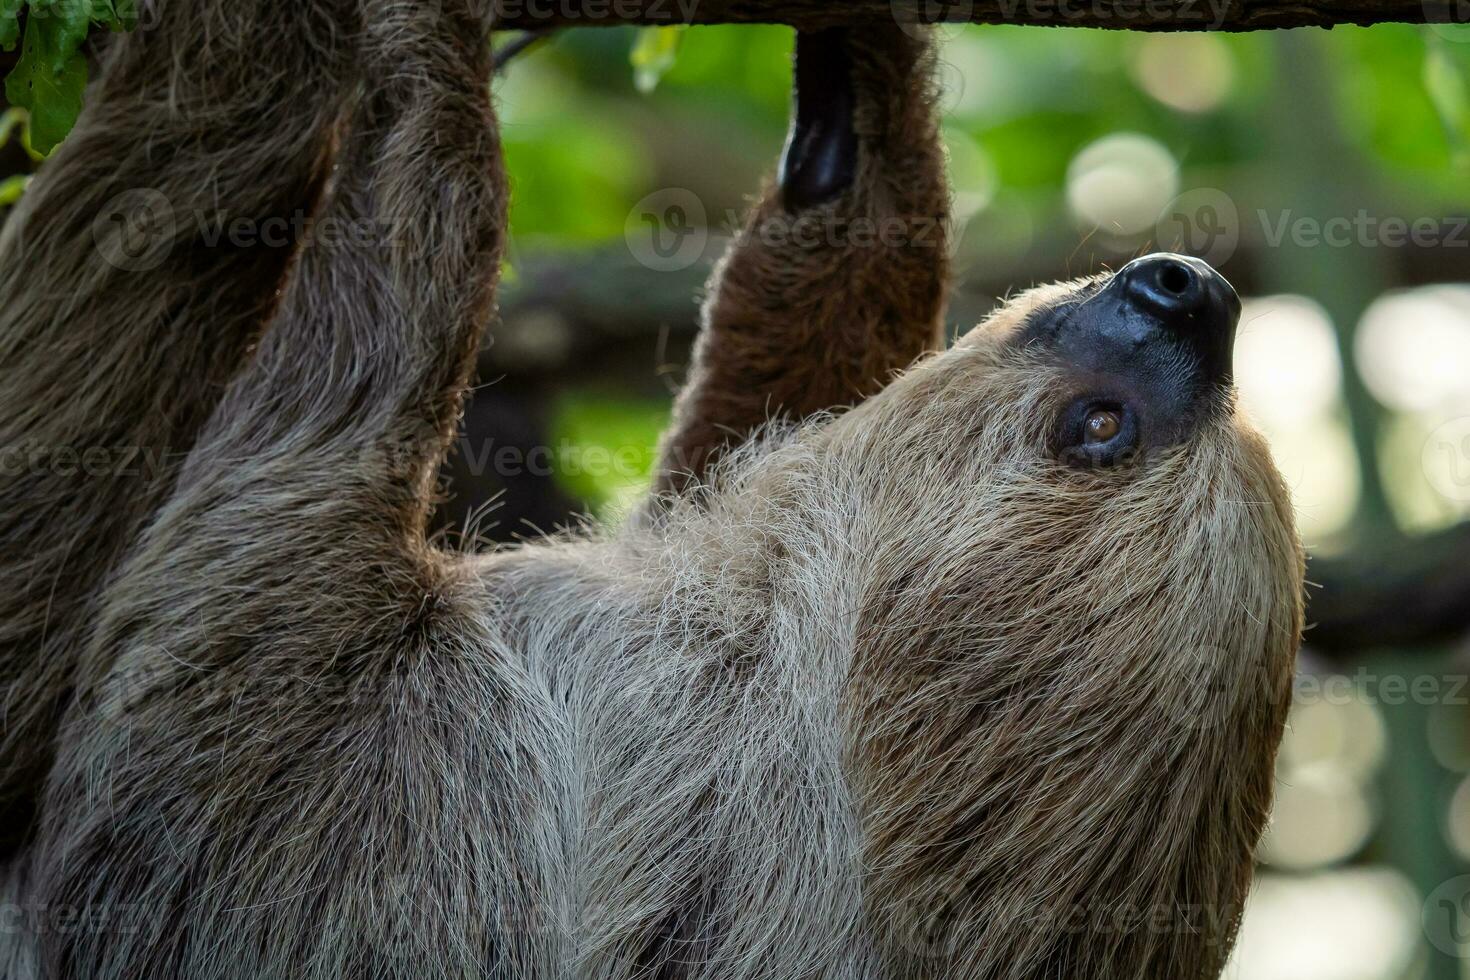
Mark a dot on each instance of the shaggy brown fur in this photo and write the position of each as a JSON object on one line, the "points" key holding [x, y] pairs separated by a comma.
{"points": [[820, 308], [109, 372], [895, 697]]}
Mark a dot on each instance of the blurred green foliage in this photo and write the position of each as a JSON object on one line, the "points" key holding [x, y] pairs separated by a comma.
{"points": [[604, 444], [585, 143]]}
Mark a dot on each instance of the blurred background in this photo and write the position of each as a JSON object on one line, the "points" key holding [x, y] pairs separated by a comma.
{"points": [[1326, 173]]}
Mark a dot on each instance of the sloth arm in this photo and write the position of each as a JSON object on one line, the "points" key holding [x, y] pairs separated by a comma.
{"points": [[310, 747], [109, 372], [838, 278]]}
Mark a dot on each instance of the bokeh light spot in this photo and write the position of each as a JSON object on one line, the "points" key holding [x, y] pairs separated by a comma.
{"points": [[1120, 183], [1188, 72]]}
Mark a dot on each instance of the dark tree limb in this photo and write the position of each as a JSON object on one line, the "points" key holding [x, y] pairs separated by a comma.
{"points": [[1402, 593], [1145, 15], [515, 48]]}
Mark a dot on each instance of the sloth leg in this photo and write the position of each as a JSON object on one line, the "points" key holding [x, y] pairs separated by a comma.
{"points": [[134, 275], [838, 278], [299, 733]]}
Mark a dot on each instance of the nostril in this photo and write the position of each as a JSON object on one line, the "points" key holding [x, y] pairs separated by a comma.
{"points": [[1175, 277], [1176, 289]]}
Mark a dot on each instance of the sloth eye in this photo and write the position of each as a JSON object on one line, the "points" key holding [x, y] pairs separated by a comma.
{"points": [[1101, 425], [1097, 433]]}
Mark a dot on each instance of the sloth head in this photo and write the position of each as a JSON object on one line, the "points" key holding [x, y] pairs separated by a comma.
{"points": [[1077, 591]]}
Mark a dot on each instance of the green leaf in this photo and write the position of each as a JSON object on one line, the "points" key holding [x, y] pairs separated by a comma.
{"points": [[64, 25], [10, 23], [653, 54], [11, 188], [52, 73], [49, 79]]}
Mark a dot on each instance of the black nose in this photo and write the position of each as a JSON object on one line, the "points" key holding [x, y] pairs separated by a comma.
{"points": [[1190, 301]]}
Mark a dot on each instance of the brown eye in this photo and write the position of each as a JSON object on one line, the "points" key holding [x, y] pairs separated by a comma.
{"points": [[1093, 432], [1101, 425]]}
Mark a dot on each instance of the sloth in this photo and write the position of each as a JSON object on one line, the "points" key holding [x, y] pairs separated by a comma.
{"points": [[914, 662]]}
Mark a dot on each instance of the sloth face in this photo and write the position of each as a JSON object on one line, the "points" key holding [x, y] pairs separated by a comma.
{"points": [[1144, 355], [1075, 633]]}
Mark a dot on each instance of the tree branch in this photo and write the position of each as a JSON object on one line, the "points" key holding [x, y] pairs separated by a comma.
{"points": [[1143, 15], [1404, 593]]}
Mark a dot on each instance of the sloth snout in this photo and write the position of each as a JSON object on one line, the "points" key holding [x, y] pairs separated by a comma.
{"points": [[1189, 302]]}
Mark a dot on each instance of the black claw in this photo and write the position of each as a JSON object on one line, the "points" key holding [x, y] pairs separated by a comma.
{"points": [[820, 159]]}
